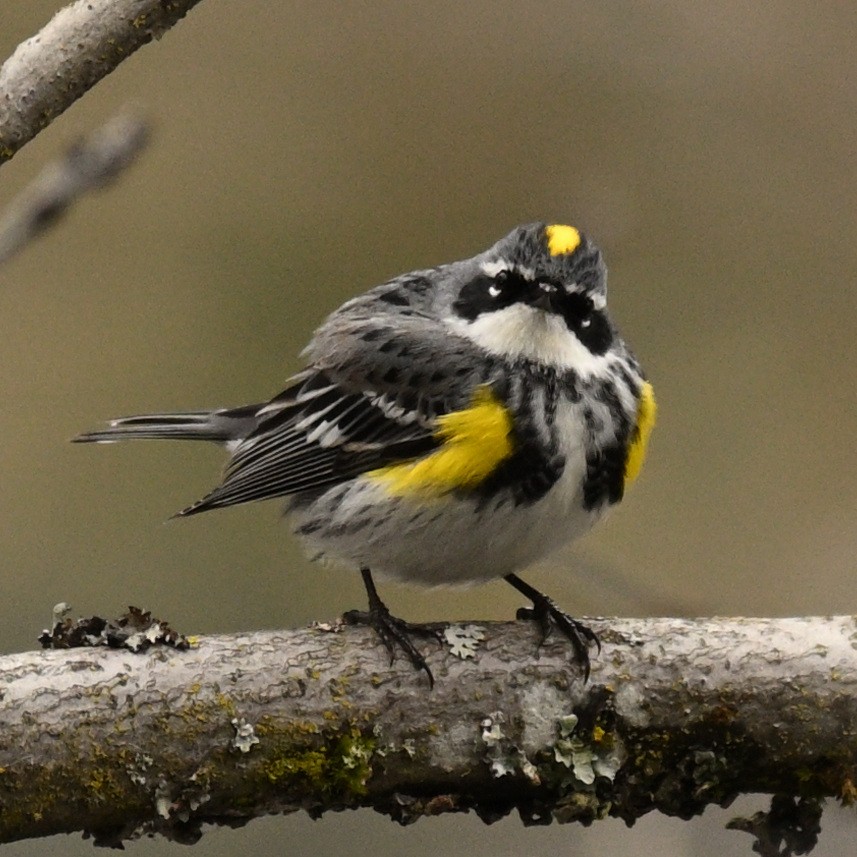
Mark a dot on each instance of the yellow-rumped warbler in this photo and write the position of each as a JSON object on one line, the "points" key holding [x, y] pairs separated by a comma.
{"points": [[452, 425]]}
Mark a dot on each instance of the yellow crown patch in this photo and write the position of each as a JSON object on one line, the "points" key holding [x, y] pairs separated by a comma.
{"points": [[562, 239]]}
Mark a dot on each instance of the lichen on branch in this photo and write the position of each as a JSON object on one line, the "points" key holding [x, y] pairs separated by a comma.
{"points": [[677, 715]]}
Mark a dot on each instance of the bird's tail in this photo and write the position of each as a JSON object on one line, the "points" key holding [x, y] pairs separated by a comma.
{"points": [[220, 426]]}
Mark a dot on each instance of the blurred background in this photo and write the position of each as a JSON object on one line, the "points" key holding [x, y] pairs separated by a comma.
{"points": [[304, 152]]}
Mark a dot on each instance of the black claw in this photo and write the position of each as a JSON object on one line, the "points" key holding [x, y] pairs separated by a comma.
{"points": [[549, 616], [394, 633]]}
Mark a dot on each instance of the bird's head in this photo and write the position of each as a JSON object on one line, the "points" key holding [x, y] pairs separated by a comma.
{"points": [[539, 293]]}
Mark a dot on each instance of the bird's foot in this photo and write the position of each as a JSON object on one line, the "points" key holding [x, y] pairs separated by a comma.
{"points": [[393, 632], [549, 616]]}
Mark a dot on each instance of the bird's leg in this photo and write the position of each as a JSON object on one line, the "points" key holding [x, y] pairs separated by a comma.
{"points": [[392, 631], [549, 616]]}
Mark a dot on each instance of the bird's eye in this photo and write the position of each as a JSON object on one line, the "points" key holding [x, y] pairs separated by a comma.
{"points": [[501, 282], [487, 292]]}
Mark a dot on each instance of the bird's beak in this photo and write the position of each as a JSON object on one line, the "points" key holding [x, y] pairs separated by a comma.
{"points": [[543, 296]]}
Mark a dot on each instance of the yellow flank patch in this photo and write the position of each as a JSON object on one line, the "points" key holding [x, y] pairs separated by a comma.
{"points": [[646, 412], [562, 239], [474, 442]]}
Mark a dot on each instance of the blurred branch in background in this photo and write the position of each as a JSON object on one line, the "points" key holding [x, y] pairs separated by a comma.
{"points": [[89, 164], [678, 715], [81, 44]]}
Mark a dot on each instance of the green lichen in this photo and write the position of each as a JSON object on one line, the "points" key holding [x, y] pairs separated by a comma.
{"points": [[294, 730], [227, 704], [309, 764], [94, 785], [339, 767]]}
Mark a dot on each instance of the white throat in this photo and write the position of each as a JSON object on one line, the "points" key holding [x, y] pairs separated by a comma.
{"points": [[521, 331]]}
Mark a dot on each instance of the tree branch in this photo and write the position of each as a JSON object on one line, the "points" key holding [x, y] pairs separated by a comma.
{"points": [[677, 715], [91, 163], [81, 44]]}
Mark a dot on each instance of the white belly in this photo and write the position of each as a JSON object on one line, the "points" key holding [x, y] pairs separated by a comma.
{"points": [[446, 540]]}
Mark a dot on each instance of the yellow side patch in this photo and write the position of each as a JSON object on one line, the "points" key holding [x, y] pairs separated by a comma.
{"points": [[646, 413], [562, 239], [474, 442]]}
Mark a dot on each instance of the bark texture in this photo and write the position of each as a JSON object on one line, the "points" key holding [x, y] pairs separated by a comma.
{"points": [[81, 44], [677, 714]]}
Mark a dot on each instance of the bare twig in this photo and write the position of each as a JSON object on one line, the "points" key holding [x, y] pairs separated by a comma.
{"points": [[677, 715], [83, 42], [91, 163]]}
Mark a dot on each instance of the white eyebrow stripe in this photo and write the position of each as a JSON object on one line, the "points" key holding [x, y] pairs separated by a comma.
{"points": [[599, 301], [491, 269]]}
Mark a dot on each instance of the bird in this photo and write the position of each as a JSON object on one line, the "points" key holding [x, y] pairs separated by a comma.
{"points": [[450, 426]]}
